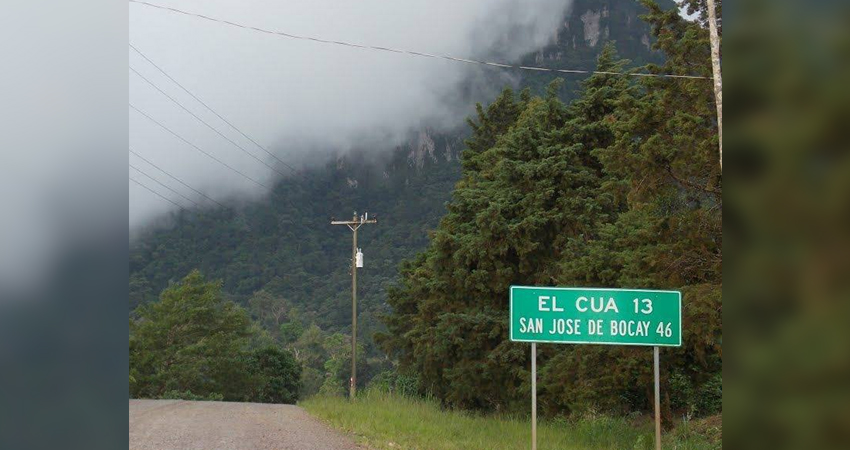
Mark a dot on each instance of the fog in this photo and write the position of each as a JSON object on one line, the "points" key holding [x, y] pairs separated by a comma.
{"points": [[63, 142], [297, 97]]}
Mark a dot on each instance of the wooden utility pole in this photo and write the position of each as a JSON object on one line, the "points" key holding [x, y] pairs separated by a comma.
{"points": [[715, 66], [354, 224]]}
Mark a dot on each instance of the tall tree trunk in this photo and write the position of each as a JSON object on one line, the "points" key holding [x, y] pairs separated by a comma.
{"points": [[715, 66]]}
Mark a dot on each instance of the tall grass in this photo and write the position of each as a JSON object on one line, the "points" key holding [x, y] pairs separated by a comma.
{"points": [[388, 421]]}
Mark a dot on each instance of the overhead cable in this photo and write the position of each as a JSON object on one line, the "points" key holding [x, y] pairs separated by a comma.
{"points": [[151, 83], [176, 179], [247, 177], [410, 52], [163, 185], [155, 193], [210, 109]]}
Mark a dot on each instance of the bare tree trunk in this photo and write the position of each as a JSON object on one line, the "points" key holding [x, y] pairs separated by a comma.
{"points": [[715, 66]]}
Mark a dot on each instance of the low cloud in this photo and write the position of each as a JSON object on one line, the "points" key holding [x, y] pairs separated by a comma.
{"points": [[293, 95]]}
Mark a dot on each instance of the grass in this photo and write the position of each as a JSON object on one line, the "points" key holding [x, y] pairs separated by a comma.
{"points": [[386, 421]]}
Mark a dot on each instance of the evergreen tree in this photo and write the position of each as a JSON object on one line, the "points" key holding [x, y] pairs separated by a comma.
{"points": [[525, 192], [191, 340], [663, 166], [620, 189]]}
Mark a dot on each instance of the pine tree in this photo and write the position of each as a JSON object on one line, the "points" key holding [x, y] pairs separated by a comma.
{"points": [[525, 193], [621, 188], [662, 167]]}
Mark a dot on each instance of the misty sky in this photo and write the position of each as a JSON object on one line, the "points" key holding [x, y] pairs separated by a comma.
{"points": [[294, 96], [61, 141]]}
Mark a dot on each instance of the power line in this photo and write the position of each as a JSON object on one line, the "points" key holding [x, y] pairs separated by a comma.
{"points": [[163, 185], [176, 179], [198, 148], [155, 192], [151, 83], [161, 70], [410, 52]]}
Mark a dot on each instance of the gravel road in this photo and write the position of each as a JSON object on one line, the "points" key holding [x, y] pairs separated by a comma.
{"points": [[179, 425]]}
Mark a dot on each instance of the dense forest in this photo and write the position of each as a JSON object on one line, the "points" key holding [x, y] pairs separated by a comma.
{"points": [[612, 181], [283, 262], [619, 188]]}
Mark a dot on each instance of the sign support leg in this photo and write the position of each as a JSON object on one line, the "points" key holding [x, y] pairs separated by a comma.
{"points": [[657, 400], [533, 396]]}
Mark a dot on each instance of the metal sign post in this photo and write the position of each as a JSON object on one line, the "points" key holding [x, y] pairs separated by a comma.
{"points": [[595, 316], [533, 396], [657, 399]]}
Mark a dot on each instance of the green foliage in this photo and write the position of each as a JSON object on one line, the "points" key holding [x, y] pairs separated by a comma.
{"points": [[282, 260], [326, 359], [282, 253], [391, 381], [280, 374], [620, 188], [663, 168], [290, 332], [524, 194], [311, 381], [338, 364], [191, 340], [710, 396], [268, 309], [696, 399], [193, 344]]}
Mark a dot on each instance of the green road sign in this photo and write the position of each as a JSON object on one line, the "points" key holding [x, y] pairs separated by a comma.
{"points": [[596, 316]]}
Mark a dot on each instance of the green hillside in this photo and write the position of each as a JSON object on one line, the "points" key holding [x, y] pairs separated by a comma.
{"points": [[285, 246]]}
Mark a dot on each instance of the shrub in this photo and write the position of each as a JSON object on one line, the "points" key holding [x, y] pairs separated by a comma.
{"points": [[709, 398], [703, 400], [394, 382], [279, 375]]}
